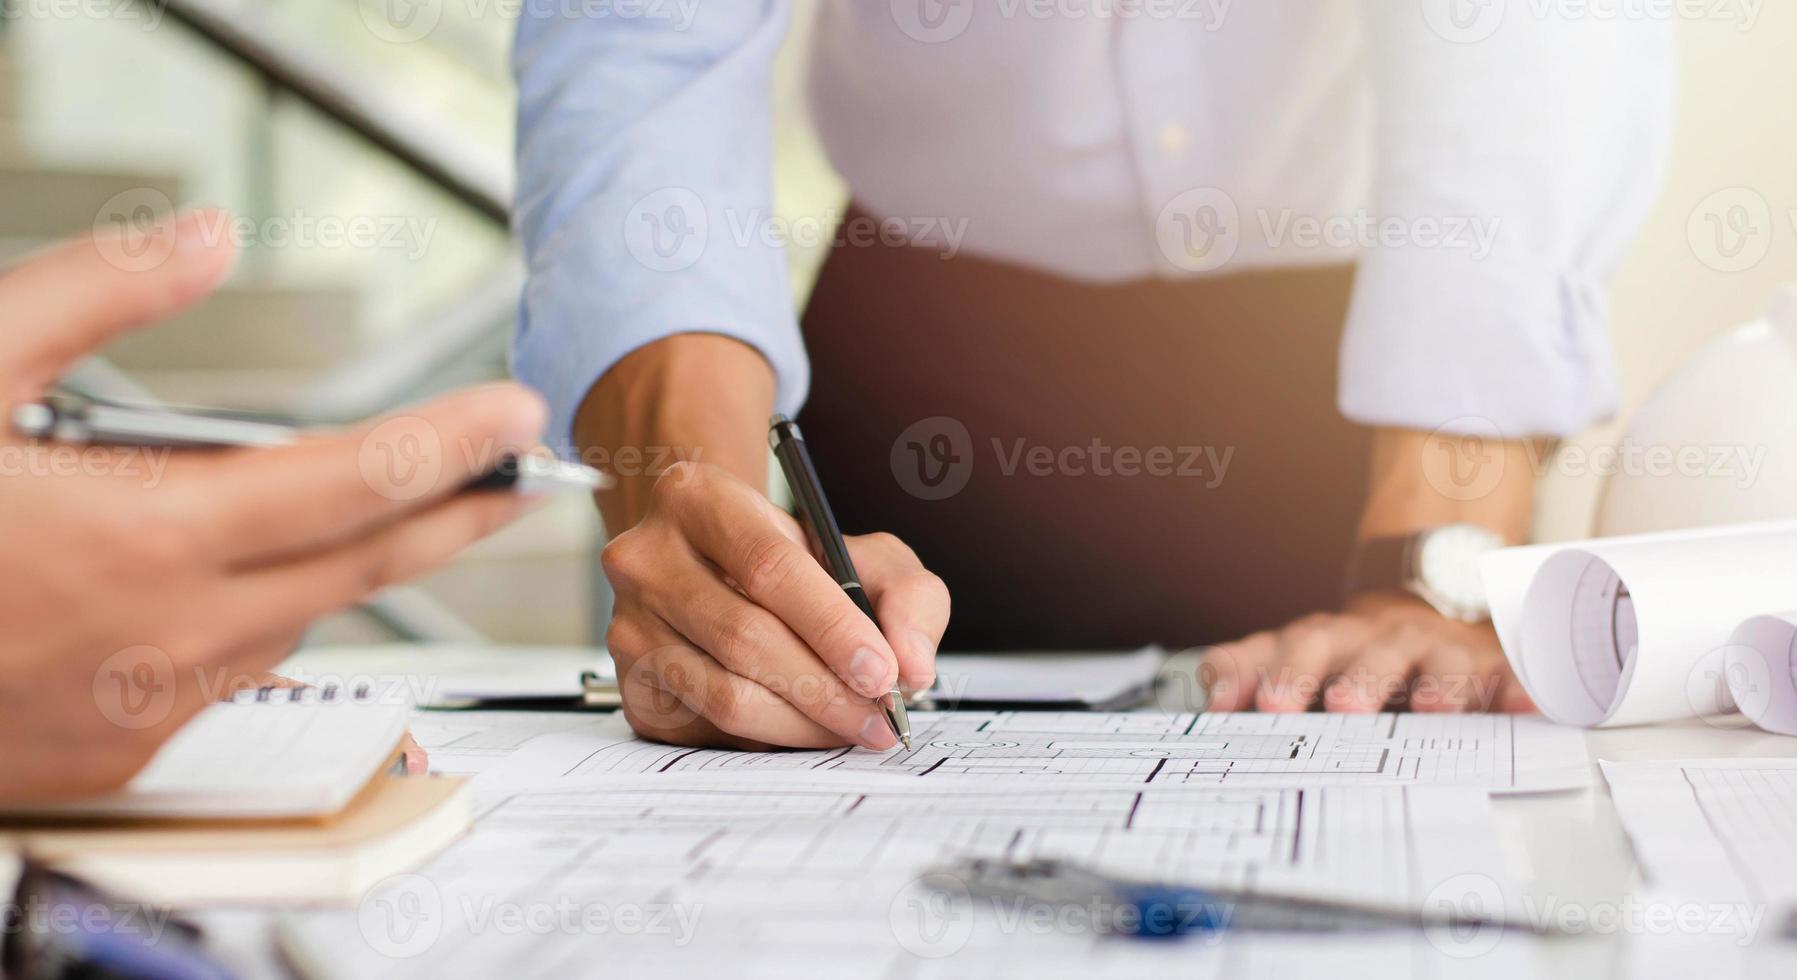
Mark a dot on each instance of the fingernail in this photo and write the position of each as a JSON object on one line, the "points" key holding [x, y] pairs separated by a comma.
{"points": [[869, 673], [876, 734]]}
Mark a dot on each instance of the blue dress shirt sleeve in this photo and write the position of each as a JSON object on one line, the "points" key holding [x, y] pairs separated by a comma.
{"points": [[644, 159]]}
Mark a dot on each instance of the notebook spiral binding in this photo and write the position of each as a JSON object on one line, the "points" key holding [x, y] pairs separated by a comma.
{"points": [[326, 694]]}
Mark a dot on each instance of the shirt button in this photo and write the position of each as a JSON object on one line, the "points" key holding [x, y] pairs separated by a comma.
{"points": [[1174, 138]]}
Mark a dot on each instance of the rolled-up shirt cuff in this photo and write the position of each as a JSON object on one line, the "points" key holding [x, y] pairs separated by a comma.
{"points": [[595, 302], [1476, 346]]}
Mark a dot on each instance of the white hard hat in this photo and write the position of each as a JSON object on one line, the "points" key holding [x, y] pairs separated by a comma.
{"points": [[1717, 442]]}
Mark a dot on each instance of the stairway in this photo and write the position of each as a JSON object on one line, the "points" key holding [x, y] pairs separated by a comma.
{"points": [[255, 344]]}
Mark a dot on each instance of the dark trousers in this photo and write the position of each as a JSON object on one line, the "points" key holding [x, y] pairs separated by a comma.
{"points": [[1089, 466]]}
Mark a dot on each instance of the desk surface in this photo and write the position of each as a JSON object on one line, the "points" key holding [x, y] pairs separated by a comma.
{"points": [[1570, 847]]}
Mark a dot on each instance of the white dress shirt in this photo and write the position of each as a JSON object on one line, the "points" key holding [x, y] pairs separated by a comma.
{"points": [[1485, 163]]}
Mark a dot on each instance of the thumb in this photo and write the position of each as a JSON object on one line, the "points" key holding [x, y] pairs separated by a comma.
{"points": [[75, 298]]}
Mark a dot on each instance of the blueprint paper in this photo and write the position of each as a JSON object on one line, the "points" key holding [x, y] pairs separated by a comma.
{"points": [[1632, 630], [1761, 668], [824, 873], [1502, 753]]}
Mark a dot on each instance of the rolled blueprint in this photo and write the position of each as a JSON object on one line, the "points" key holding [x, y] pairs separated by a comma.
{"points": [[1629, 630], [1759, 669]]}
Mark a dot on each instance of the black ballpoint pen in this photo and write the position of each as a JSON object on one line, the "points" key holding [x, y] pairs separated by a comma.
{"points": [[826, 540]]}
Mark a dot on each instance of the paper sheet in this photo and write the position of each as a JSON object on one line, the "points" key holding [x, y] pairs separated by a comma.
{"points": [[468, 743], [817, 873], [1715, 843], [1497, 752], [1635, 629], [1712, 829]]}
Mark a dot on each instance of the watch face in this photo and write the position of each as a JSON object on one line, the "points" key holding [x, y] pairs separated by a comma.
{"points": [[1448, 565]]}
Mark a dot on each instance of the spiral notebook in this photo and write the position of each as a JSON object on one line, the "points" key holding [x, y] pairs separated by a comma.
{"points": [[282, 797], [274, 755]]}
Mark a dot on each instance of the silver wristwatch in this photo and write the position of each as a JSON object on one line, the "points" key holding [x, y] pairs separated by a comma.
{"points": [[1439, 565]]}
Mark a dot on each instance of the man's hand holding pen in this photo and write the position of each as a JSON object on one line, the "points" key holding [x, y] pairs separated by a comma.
{"points": [[727, 631]]}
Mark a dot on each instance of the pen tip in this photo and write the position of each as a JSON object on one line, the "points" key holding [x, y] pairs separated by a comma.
{"points": [[907, 740]]}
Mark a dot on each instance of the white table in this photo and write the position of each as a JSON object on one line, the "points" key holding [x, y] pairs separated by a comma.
{"points": [[1569, 847]]}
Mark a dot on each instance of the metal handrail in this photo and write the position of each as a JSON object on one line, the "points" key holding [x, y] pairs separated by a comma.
{"points": [[483, 189], [457, 170]]}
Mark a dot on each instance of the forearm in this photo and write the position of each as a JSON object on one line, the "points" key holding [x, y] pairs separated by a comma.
{"points": [[1421, 479], [695, 397]]}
